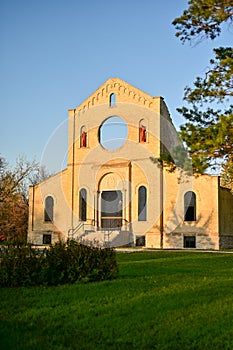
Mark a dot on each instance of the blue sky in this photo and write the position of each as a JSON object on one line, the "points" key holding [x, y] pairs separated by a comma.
{"points": [[55, 53]]}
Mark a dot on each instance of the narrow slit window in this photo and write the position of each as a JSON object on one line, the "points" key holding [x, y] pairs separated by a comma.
{"points": [[142, 203], [48, 210], [142, 131], [83, 137], [190, 206], [83, 204], [112, 100]]}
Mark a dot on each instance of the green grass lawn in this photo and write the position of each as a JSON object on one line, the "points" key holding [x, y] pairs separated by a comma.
{"points": [[160, 300]]}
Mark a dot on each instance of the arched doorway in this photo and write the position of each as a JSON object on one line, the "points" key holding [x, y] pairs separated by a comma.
{"points": [[111, 209], [111, 202]]}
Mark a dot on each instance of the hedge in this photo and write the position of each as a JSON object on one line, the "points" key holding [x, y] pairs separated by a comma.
{"points": [[63, 262]]}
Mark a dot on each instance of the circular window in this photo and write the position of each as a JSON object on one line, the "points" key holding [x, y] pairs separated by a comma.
{"points": [[113, 133]]}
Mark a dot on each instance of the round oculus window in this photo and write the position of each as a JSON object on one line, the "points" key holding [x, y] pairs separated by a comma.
{"points": [[113, 133]]}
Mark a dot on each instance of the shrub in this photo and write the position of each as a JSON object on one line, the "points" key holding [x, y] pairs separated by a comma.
{"points": [[19, 265], [22, 265]]}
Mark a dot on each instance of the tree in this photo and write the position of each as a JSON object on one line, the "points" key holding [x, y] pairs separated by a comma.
{"points": [[208, 132], [14, 184], [203, 18], [227, 174]]}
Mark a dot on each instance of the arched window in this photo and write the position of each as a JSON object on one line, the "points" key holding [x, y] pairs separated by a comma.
{"points": [[48, 210], [112, 100], [142, 203], [83, 204], [142, 131], [83, 137], [190, 206]]}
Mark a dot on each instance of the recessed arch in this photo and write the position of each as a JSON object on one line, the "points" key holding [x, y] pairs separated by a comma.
{"points": [[111, 181], [111, 196]]}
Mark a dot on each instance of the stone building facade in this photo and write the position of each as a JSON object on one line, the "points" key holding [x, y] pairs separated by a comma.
{"points": [[112, 193]]}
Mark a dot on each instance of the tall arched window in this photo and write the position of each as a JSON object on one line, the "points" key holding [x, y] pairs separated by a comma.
{"points": [[48, 210], [112, 100], [83, 204], [142, 131], [142, 203], [190, 206], [83, 137]]}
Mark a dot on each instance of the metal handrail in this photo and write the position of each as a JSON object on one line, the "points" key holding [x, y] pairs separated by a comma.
{"points": [[80, 226], [74, 230]]}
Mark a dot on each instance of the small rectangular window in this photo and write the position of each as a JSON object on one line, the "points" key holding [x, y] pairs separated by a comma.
{"points": [[47, 239], [189, 242], [140, 241]]}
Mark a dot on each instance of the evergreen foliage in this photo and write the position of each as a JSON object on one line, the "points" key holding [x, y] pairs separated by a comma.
{"points": [[203, 18], [61, 263], [208, 132]]}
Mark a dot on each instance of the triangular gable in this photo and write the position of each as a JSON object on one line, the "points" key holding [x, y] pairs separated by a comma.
{"points": [[124, 93]]}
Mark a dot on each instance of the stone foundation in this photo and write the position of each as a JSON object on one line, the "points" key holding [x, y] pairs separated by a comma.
{"points": [[226, 242], [37, 237], [175, 240]]}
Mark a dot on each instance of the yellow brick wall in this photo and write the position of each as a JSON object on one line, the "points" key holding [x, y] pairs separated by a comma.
{"points": [[96, 169]]}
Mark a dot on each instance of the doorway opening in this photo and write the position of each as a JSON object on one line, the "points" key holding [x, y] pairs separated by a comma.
{"points": [[111, 210]]}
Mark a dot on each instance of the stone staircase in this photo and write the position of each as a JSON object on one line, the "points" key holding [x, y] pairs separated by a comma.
{"points": [[119, 239], [103, 238]]}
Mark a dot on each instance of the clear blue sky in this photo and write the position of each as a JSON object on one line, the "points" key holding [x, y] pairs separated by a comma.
{"points": [[55, 53]]}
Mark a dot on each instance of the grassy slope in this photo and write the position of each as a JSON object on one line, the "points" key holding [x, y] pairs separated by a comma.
{"points": [[161, 300]]}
